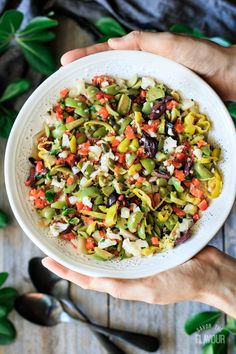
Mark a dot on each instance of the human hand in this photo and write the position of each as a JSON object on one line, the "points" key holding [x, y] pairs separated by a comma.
{"points": [[216, 64], [208, 277]]}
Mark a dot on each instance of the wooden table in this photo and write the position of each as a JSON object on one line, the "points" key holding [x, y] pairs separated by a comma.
{"points": [[166, 322]]}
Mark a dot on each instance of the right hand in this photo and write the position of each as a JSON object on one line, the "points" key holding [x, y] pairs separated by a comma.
{"points": [[216, 64]]}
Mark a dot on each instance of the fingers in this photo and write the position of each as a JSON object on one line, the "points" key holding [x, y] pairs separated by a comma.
{"points": [[118, 288], [75, 54]]}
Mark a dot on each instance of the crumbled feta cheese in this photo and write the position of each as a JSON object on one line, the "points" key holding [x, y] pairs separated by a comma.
{"points": [[112, 236], [136, 209], [106, 242], [55, 183], [185, 225], [169, 145], [96, 151], [65, 141], [75, 170], [83, 181], [125, 212], [95, 173], [104, 83], [127, 234], [62, 197], [56, 228], [170, 169], [186, 104], [63, 154], [190, 209], [134, 247], [180, 148], [152, 134], [197, 153], [87, 201], [170, 131], [147, 82], [73, 200], [136, 176]]}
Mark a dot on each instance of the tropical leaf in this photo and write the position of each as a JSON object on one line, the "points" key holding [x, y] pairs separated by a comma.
{"points": [[14, 89]]}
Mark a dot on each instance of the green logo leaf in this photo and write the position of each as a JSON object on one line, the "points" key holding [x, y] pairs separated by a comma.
{"points": [[201, 321]]}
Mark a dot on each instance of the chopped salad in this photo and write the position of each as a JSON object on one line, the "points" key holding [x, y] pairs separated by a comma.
{"points": [[123, 168]]}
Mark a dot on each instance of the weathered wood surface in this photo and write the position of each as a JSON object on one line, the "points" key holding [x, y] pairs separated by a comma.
{"points": [[164, 321]]}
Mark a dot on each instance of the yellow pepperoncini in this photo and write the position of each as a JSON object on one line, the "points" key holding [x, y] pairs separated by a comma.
{"points": [[144, 197], [49, 160], [214, 185], [202, 124], [164, 214], [189, 127], [196, 122], [73, 144], [111, 215]]}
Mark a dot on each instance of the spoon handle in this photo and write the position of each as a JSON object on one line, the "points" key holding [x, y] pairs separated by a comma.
{"points": [[73, 311], [143, 341]]}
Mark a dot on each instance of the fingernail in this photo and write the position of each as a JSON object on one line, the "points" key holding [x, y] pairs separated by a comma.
{"points": [[115, 40]]}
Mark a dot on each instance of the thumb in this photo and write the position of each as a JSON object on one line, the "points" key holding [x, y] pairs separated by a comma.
{"points": [[204, 57]]}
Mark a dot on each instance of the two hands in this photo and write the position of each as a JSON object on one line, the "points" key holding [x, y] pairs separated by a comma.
{"points": [[209, 277]]}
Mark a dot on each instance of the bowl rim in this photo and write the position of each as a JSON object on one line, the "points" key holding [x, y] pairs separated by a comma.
{"points": [[9, 166]]}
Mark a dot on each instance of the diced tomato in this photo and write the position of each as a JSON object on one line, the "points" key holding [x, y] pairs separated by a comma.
{"points": [[179, 126], [102, 233], [155, 241], [142, 93], [178, 212], [70, 119], [60, 161], [37, 193], [103, 112], [129, 133], [195, 217], [64, 93], [203, 205], [39, 166], [196, 192], [121, 157], [102, 100], [70, 180], [84, 148], [40, 203], [90, 243], [180, 175], [180, 156], [71, 158], [69, 236], [171, 104], [151, 127], [115, 143], [176, 164], [201, 143], [140, 181], [187, 183], [99, 95], [59, 111], [196, 182]]}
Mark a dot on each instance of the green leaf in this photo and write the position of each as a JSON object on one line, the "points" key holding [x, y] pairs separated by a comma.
{"points": [[7, 118], [3, 223], [14, 89], [7, 332], [38, 56], [38, 24], [3, 311], [181, 28], [3, 278], [5, 39], [10, 21], [7, 297], [201, 321], [42, 36], [232, 109], [221, 41], [110, 27], [217, 344], [231, 325]]}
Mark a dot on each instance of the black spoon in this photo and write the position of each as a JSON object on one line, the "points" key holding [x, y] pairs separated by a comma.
{"points": [[49, 283], [46, 310]]}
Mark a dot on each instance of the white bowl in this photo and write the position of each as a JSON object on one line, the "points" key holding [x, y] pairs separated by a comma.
{"points": [[122, 64]]}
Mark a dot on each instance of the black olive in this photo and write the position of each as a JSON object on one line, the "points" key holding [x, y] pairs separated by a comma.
{"points": [[112, 199], [32, 161], [160, 107], [184, 236], [187, 166], [150, 144]]}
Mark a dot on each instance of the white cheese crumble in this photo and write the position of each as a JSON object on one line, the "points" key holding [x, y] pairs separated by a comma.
{"points": [[55, 229], [134, 247], [55, 183], [65, 141], [87, 201], [125, 212], [170, 169], [197, 153], [63, 154], [147, 82], [169, 145], [185, 225], [73, 199], [84, 167], [75, 170], [106, 242], [96, 151], [83, 181], [112, 236]]}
